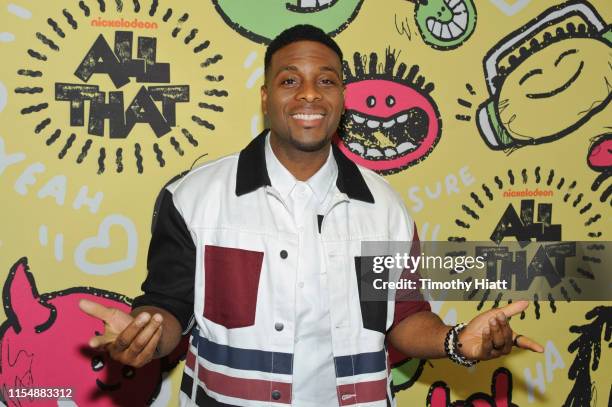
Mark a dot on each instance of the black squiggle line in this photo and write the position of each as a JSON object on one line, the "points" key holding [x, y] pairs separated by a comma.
{"points": [[119, 4], [153, 8], [594, 234], [30, 73], [585, 273], [191, 36], [84, 151], [462, 224], [70, 19], [524, 175], [497, 300], [138, 156], [136, 6], [565, 294], [159, 155], [536, 306], [56, 28], [177, 146], [606, 194], [572, 185], [456, 239], [213, 60], [463, 117], [599, 180], [511, 177], [179, 25], [189, 137], [101, 158], [84, 7], [484, 298], [34, 108], [102, 6], [119, 160], [585, 208], [523, 315], [215, 108], [216, 92], [53, 137], [203, 122], [213, 78], [67, 146], [201, 47], [487, 191], [29, 90], [37, 55], [470, 212], [551, 175], [470, 89], [473, 293], [537, 175], [167, 16], [477, 200], [592, 220], [551, 302], [577, 200], [596, 247], [575, 286], [499, 182], [561, 182], [40, 126]]}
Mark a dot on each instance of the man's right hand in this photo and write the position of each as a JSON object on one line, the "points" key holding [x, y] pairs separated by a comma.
{"points": [[131, 340]]}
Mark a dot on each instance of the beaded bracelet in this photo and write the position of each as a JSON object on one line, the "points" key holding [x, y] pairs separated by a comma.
{"points": [[451, 344]]}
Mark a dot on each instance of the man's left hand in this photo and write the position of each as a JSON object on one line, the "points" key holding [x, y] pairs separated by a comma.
{"points": [[489, 335]]}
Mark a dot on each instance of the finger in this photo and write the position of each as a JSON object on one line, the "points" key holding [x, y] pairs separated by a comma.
{"points": [[95, 310], [487, 343], [125, 338], [139, 343], [99, 341], [502, 320], [527, 343], [148, 352], [497, 335], [514, 308]]}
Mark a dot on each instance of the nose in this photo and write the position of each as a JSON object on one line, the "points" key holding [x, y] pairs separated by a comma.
{"points": [[309, 92]]}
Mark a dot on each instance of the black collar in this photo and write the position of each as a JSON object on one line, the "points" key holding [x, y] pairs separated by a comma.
{"points": [[253, 174]]}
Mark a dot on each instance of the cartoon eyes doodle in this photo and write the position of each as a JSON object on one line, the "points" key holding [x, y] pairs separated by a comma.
{"points": [[371, 101], [97, 363], [390, 101]]}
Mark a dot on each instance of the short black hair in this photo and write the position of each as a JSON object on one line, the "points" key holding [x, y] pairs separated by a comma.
{"points": [[301, 32]]}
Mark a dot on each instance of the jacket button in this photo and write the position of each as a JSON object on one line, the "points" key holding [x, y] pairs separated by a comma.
{"points": [[276, 395], [279, 326], [284, 254]]}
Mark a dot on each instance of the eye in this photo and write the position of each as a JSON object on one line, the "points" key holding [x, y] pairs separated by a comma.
{"points": [[97, 363], [288, 82], [390, 101], [128, 372], [371, 101]]}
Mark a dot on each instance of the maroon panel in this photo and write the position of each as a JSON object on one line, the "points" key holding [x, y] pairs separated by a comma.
{"points": [[231, 281]]}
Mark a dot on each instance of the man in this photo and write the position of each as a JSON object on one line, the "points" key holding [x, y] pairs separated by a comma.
{"points": [[255, 254]]}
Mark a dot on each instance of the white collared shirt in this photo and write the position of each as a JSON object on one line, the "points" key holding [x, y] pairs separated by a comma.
{"points": [[314, 378]]}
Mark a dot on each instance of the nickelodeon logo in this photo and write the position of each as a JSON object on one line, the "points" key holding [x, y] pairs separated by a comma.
{"points": [[510, 193], [122, 23]]}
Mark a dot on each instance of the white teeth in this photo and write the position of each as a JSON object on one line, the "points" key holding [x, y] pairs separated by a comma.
{"points": [[373, 152], [452, 3], [324, 2], [301, 116], [430, 24], [437, 29], [308, 3], [460, 20], [358, 119], [390, 152], [357, 148], [455, 30], [446, 34], [388, 124], [373, 124], [459, 9], [402, 118], [406, 146]]}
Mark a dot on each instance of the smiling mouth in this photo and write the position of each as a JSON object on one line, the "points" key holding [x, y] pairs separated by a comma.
{"points": [[453, 29], [310, 6], [560, 88], [107, 387], [384, 138]]}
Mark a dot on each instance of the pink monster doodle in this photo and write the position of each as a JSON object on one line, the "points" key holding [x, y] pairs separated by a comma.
{"points": [[44, 345], [501, 394]]}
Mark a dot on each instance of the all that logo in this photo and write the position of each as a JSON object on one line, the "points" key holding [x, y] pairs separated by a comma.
{"points": [[501, 210], [120, 67], [122, 108]]}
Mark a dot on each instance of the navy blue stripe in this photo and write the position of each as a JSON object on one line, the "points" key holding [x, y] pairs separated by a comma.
{"points": [[360, 363], [244, 359]]}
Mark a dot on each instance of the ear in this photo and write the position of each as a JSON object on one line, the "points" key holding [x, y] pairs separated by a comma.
{"points": [[264, 99], [22, 304]]}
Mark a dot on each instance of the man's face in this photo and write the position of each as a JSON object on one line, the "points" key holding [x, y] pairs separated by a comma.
{"points": [[303, 95]]}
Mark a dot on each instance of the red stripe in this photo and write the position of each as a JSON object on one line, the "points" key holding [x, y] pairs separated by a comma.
{"points": [[190, 362], [247, 389], [364, 392]]}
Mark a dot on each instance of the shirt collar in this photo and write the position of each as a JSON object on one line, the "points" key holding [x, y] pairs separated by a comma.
{"points": [[252, 172]]}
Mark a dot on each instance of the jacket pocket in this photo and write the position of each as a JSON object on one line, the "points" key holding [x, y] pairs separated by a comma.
{"points": [[231, 278], [372, 301]]}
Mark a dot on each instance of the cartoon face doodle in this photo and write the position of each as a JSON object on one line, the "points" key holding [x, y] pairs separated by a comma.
{"points": [[445, 24], [44, 345], [391, 122], [262, 20], [600, 153], [548, 78]]}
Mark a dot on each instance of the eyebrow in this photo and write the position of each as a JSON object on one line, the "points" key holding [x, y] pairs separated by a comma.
{"points": [[293, 68], [564, 54], [528, 74]]}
